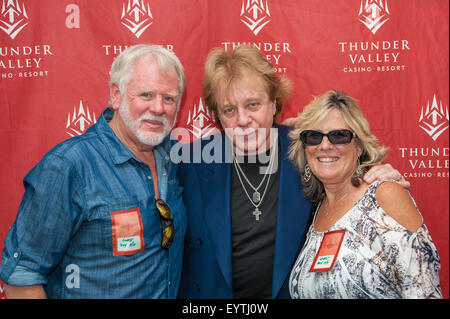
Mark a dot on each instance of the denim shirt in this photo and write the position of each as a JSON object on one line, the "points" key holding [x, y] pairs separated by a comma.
{"points": [[65, 236]]}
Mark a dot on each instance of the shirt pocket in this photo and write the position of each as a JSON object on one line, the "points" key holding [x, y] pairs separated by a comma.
{"points": [[121, 226], [174, 189]]}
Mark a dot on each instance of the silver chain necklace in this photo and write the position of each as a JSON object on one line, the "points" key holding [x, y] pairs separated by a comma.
{"points": [[337, 202], [256, 196]]}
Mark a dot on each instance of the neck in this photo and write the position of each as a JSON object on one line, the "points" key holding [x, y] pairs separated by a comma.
{"points": [[337, 192], [261, 156], [140, 150]]}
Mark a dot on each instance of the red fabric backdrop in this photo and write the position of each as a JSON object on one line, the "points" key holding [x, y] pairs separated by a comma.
{"points": [[391, 55]]}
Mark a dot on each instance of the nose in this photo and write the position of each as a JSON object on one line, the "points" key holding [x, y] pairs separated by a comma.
{"points": [[156, 105], [326, 144], [243, 118]]}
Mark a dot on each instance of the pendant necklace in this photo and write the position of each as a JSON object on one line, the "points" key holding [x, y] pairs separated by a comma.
{"points": [[256, 198]]}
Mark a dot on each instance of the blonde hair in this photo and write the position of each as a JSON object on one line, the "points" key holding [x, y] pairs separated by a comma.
{"points": [[222, 68], [372, 153]]}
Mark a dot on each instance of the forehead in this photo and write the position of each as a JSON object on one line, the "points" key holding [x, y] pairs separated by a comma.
{"points": [[332, 120], [147, 73], [246, 87]]}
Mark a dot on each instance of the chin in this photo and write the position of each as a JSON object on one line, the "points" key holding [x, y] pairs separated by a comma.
{"points": [[247, 147], [151, 139], [330, 178]]}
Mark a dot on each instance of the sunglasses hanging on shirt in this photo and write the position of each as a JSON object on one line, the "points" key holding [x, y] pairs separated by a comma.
{"points": [[166, 218]]}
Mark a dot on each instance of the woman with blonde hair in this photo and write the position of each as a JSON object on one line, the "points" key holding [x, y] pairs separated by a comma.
{"points": [[247, 218], [365, 241]]}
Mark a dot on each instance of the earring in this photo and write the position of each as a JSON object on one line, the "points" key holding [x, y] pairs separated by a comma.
{"points": [[359, 171], [307, 174]]}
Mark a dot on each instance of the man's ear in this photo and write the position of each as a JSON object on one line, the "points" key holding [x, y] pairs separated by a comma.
{"points": [[115, 96]]}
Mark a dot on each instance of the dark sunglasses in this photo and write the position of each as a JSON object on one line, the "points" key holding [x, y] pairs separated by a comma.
{"points": [[165, 215], [337, 137]]}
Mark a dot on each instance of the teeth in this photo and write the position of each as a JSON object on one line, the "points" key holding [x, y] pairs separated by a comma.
{"points": [[328, 159]]}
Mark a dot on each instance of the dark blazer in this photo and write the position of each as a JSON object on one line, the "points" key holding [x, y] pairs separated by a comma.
{"points": [[207, 259]]}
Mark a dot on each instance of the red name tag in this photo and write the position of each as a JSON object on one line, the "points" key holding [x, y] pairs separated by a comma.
{"points": [[328, 251], [127, 232]]}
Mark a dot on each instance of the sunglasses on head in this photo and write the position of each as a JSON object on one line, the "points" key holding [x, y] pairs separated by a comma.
{"points": [[336, 137], [166, 218]]}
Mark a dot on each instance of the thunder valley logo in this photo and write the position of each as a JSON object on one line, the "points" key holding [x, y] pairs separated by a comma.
{"points": [[255, 14], [373, 14], [13, 17], [429, 160], [24, 61], [200, 122], [79, 121], [374, 55], [434, 120], [136, 16]]}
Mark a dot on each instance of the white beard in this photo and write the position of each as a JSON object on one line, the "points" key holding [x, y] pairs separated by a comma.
{"points": [[147, 138]]}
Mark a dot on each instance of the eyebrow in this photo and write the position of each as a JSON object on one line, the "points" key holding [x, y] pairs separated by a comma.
{"points": [[174, 95], [145, 90], [246, 101]]}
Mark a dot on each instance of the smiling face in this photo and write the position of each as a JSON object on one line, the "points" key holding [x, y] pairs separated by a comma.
{"points": [[147, 110], [332, 164], [246, 113]]}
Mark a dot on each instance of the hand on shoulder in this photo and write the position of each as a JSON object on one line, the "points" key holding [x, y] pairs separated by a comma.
{"points": [[397, 203], [383, 172]]}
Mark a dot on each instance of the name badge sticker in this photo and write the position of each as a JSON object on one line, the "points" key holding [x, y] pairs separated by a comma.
{"points": [[127, 232], [328, 251]]}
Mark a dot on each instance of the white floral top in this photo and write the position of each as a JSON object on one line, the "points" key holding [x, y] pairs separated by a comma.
{"points": [[378, 259]]}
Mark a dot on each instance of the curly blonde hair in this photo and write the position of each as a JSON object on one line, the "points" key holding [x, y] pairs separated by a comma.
{"points": [[372, 153]]}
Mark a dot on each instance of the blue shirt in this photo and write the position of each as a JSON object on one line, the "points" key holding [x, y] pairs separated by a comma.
{"points": [[87, 226]]}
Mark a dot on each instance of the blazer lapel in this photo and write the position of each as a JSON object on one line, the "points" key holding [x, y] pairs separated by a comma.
{"points": [[216, 189]]}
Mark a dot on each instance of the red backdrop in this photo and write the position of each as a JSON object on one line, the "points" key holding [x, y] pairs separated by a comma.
{"points": [[391, 55]]}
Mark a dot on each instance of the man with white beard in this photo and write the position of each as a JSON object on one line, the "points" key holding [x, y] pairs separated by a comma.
{"points": [[102, 214]]}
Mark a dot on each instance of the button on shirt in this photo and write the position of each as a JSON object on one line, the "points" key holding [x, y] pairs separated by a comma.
{"points": [[64, 236]]}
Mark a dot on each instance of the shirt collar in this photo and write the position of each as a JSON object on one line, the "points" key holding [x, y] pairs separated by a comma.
{"points": [[118, 151]]}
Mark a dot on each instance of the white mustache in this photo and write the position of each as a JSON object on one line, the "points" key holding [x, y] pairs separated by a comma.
{"points": [[161, 119]]}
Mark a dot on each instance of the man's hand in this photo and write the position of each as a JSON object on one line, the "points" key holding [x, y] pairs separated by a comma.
{"points": [[25, 292], [383, 172]]}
